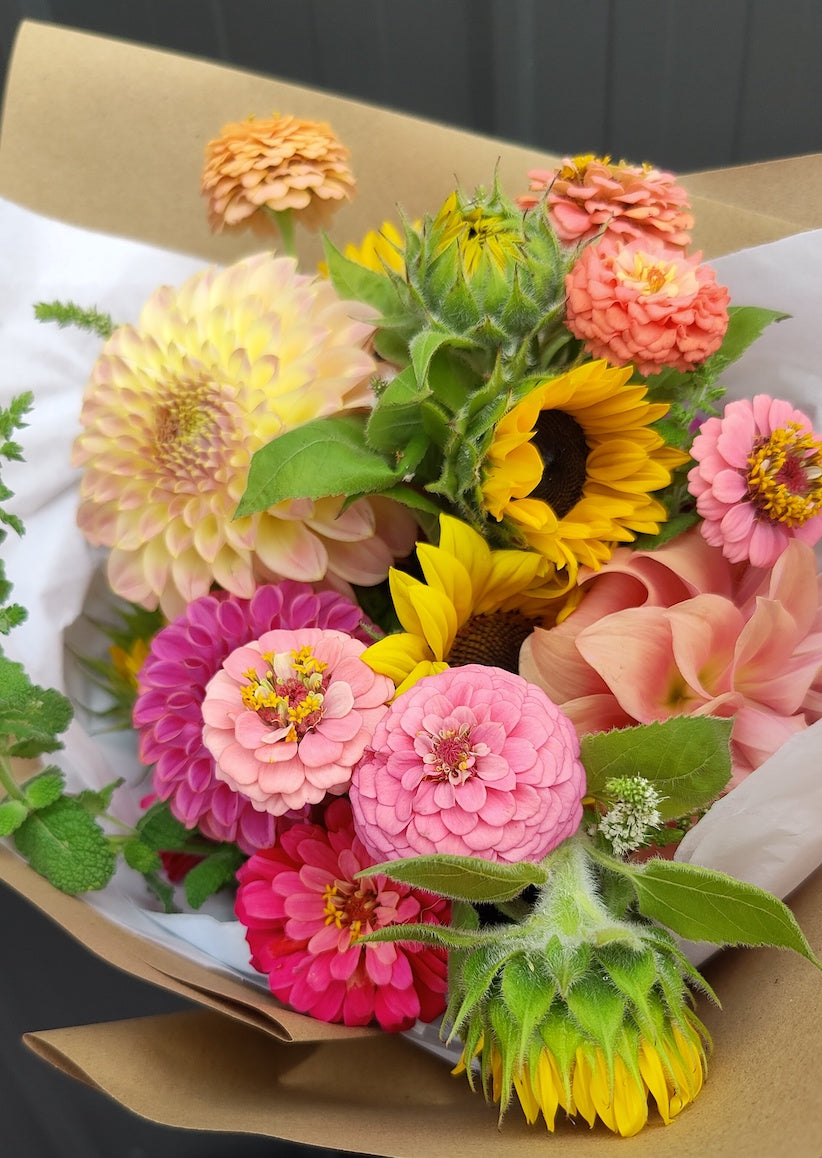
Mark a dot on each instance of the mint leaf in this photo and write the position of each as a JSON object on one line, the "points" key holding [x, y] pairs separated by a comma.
{"points": [[212, 874], [686, 758], [161, 831], [140, 857], [44, 788], [98, 803], [65, 845], [462, 878], [12, 815], [31, 716]]}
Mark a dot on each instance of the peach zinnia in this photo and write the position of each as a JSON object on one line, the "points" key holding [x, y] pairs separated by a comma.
{"points": [[177, 406], [257, 169]]}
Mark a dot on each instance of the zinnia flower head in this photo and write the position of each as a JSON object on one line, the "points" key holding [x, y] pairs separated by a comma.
{"points": [[182, 659], [289, 714], [758, 479], [473, 761], [176, 407], [281, 164], [644, 305], [571, 467], [305, 915], [590, 195]]}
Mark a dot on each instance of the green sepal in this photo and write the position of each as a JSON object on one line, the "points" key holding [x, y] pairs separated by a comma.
{"points": [[212, 874], [44, 788], [528, 989], [12, 815], [505, 1032], [66, 846], [464, 878], [474, 977], [599, 1009], [686, 758], [440, 936]]}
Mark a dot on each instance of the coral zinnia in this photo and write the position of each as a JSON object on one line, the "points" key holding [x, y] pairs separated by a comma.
{"points": [[475, 606], [473, 761], [174, 411], [644, 305], [281, 164], [289, 714], [168, 713], [571, 466], [758, 479], [589, 195], [305, 913]]}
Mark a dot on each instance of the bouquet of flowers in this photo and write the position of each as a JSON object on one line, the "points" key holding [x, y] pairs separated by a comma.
{"points": [[447, 596]]}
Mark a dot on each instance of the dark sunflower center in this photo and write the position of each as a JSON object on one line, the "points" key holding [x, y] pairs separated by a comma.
{"points": [[493, 640], [564, 452]]}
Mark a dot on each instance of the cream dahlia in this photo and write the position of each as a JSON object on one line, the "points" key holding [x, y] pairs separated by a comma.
{"points": [[176, 407]]}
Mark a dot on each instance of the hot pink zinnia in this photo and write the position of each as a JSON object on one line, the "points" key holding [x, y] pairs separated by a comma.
{"points": [[589, 195], [305, 913], [758, 479], [171, 687], [646, 306], [473, 761], [289, 715]]}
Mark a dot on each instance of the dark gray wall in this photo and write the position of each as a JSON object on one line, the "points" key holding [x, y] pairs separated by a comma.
{"points": [[686, 84]]}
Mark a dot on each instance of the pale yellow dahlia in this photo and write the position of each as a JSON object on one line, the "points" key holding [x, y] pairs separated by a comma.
{"points": [[173, 412], [279, 164], [572, 466], [475, 605]]}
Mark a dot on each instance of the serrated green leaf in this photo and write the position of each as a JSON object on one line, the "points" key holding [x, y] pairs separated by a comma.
{"points": [[686, 758], [327, 456], [12, 815], [212, 874], [34, 716], [462, 878], [703, 905], [65, 845], [98, 802], [140, 857], [44, 788], [161, 831]]}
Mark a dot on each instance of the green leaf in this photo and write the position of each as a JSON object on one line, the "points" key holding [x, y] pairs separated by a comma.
{"points": [[327, 456], [212, 874], [65, 845], [686, 758], [745, 325], [161, 831], [703, 905], [354, 282], [44, 788], [33, 716], [440, 936], [140, 857], [12, 815], [98, 802], [462, 878]]}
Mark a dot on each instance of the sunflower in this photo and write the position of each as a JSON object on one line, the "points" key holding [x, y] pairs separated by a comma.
{"points": [[571, 467], [475, 605], [381, 249], [483, 231]]}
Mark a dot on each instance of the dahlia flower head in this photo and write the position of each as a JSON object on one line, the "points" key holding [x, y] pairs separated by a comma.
{"points": [[289, 714], [472, 761], [183, 658], [588, 196], [643, 305], [683, 631], [305, 915], [280, 164], [758, 479], [175, 409]]}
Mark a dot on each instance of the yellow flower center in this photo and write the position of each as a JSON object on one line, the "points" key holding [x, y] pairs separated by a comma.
{"points": [[184, 423], [577, 167], [290, 692], [451, 756], [785, 476], [647, 274], [478, 234], [349, 904]]}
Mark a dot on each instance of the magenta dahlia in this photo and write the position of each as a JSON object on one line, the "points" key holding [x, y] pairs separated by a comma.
{"points": [[305, 915], [171, 688], [474, 761]]}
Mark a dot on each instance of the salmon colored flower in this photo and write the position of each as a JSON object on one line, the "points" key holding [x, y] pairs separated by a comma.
{"points": [[472, 761], [589, 195], [305, 915], [642, 305], [289, 715], [256, 169], [176, 407], [758, 479]]}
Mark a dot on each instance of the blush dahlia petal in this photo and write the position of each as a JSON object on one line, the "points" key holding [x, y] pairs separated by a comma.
{"points": [[428, 782]]}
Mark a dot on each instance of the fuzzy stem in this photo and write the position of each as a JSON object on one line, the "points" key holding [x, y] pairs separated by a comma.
{"points": [[7, 782]]}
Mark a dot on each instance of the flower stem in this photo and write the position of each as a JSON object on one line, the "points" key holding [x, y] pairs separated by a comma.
{"points": [[7, 780]]}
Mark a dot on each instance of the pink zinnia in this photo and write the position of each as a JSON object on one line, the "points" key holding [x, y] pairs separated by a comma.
{"points": [[588, 196], [171, 687], [758, 479], [646, 306], [289, 715], [473, 761], [305, 913]]}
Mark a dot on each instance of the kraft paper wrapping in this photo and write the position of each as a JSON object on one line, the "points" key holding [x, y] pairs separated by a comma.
{"points": [[109, 136]]}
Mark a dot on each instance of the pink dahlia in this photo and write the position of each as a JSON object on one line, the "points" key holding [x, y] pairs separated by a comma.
{"points": [[171, 688], [682, 631], [289, 715], [473, 761], [305, 913], [588, 196], [643, 305], [758, 479]]}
